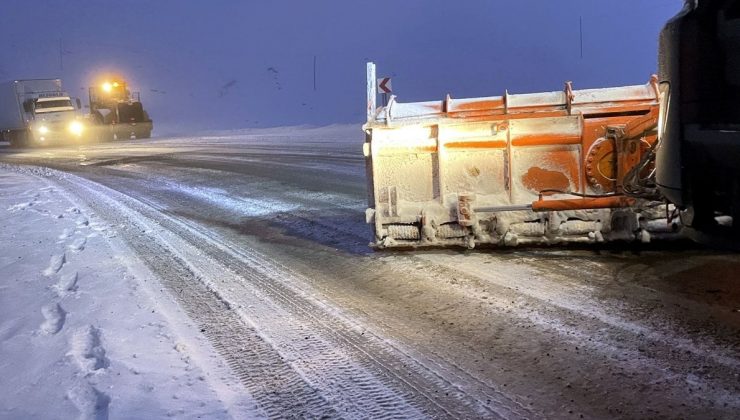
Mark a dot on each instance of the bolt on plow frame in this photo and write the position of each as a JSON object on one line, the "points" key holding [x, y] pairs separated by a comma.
{"points": [[542, 168]]}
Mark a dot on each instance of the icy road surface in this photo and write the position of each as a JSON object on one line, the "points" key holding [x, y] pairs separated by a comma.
{"points": [[259, 238]]}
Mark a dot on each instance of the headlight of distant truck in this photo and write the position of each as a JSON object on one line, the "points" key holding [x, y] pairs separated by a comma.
{"points": [[76, 128], [43, 129]]}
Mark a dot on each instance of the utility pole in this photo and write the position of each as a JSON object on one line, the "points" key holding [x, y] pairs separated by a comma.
{"points": [[61, 56], [580, 29]]}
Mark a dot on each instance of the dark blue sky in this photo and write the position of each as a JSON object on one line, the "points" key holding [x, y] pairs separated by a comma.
{"points": [[233, 64]]}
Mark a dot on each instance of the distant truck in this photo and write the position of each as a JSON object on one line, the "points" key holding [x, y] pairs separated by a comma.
{"points": [[38, 111], [118, 113]]}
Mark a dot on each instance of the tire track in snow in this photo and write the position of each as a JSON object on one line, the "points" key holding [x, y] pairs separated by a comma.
{"points": [[535, 284], [599, 333], [279, 389], [386, 379], [446, 374]]}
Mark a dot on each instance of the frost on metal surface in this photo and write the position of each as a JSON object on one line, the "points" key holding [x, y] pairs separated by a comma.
{"points": [[467, 171]]}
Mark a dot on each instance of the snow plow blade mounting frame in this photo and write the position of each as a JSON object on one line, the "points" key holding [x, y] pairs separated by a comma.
{"points": [[514, 169]]}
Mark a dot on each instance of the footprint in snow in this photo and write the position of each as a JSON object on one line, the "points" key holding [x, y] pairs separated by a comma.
{"points": [[19, 207], [91, 403], [55, 264], [78, 244], [54, 317], [100, 227], [87, 350], [41, 211], [66, 233], [82, 221], [67, 283]]}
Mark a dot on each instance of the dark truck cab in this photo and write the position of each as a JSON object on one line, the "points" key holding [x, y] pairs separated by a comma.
{"points": [[698, 159]]}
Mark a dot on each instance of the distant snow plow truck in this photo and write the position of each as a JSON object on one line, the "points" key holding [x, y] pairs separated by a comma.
{"points": [[624, 163], [118, 113], [38, 112]]}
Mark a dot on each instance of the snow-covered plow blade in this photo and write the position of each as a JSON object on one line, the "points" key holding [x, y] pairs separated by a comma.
{"points": [[567, 166]]}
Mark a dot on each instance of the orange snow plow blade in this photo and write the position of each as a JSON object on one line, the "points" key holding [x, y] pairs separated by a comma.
{"points": [[566, 166]]}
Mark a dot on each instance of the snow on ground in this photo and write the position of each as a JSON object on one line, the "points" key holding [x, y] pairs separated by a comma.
{"points": [[260, 237], [85, 329]]}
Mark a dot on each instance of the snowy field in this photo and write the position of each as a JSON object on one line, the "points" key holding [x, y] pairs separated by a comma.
{"points": [[228, 276]]}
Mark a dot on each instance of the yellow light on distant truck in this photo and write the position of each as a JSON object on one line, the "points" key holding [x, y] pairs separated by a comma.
{"points": [[43, 129], [107, 86], [76, 128]]}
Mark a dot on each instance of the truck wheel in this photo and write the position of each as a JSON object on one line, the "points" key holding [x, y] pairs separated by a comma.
{"points": [[18, 138]]}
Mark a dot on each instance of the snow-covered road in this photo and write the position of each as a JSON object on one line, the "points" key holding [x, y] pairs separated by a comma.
{"points": [[251, 249]]}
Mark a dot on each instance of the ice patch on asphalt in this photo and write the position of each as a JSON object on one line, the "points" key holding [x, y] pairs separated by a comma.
{"points": [[244, 205]]}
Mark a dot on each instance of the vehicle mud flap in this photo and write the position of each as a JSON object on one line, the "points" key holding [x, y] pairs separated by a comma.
{"points": [[19, 139]]}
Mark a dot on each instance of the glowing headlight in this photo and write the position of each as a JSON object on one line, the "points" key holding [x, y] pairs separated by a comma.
{"points": [[107, 86], [43, 129], [76, 127]]}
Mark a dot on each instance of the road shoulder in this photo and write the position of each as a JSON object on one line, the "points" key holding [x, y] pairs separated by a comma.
{"points": [[85, 329]]}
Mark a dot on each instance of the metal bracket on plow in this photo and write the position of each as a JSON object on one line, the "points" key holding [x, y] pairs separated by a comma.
{"points": [[392, 197], [465, 213]]}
